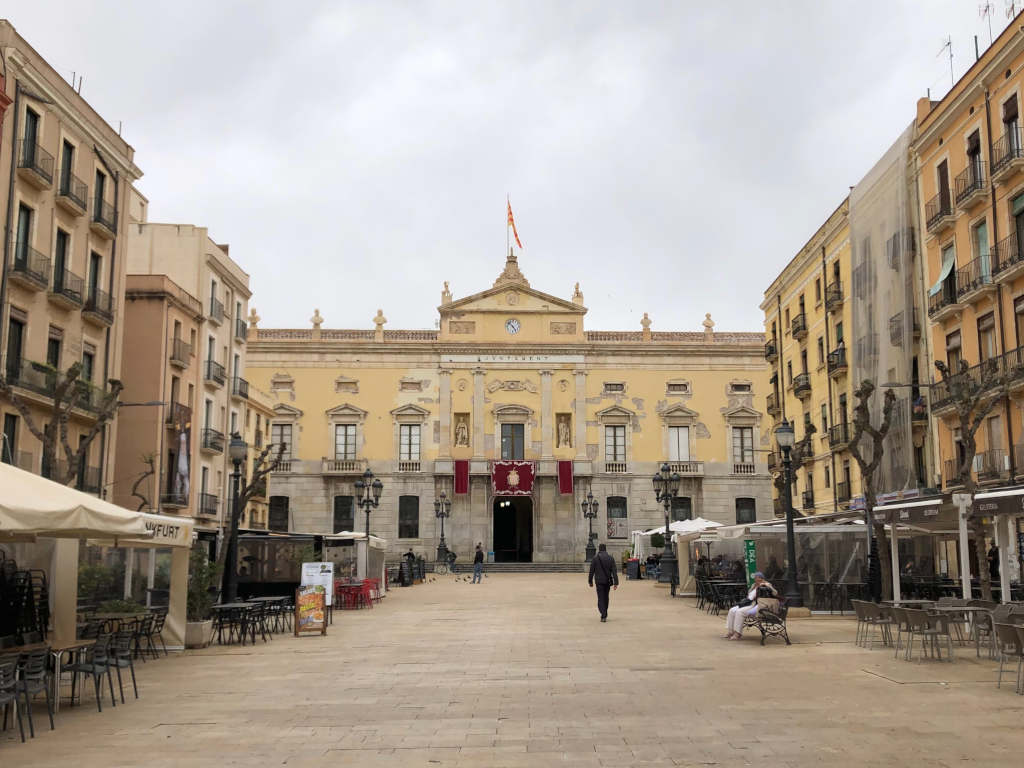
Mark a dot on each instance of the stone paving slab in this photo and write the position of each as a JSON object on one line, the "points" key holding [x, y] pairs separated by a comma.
{"points": [[518, 671]]}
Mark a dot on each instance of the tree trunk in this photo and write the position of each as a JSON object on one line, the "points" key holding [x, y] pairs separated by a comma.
{"points": [[884, 559], [984, 579]]}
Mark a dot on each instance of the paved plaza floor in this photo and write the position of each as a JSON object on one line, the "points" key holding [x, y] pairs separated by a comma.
{"points": [[518, 671]]}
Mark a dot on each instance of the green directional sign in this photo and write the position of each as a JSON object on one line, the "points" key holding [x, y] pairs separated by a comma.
{"points": [[750, 558]]}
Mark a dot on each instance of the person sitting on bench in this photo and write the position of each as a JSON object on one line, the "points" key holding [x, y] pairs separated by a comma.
{"points": [[761, 595]]}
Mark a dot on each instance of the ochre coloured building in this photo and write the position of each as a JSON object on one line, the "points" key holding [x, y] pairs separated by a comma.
{"points": [[516, 412]]}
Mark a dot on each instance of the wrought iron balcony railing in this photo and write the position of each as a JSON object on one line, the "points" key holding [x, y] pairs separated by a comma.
{"points": [[834, 296], [970, 180], [209, 504], [69, 286], [74, 189], [213, 440], [30, 264], [215, 372], [798, 325], [240, 387], [1006, 149], [975, 276], [36, 159], [103, 213], [936, 210], [99, 304]]}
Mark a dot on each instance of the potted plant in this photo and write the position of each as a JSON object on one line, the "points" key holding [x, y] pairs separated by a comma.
{"points": [[203, 579]]}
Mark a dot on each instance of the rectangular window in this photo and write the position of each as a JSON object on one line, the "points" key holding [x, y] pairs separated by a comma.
{"points": [[208, 414], [408, 517], [949, 284], [512, 442], [678, 443], [409, 442], [204, 480], [31, 136], [1018, 314], [743, 445], [821, 351], [953, 351], [615, 443], [95, 265], [344, 513], [277, 518], [15, 348], [746, 511], [60, 260], [281, 434], [345, 441], [824, 418], [817, 289], [682, 508], [234, 422], [828, 477], [614, 386], [98, 193], [67, 166], [9, 441], [618, 522], [24, 236], [678, 388], [786, 323], [986, 337], [789, 372], [53, 350], [942, 172], [994, 434], [803, 360], [88, 365]]}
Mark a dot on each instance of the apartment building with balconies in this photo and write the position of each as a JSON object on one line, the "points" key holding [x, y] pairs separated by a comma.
{"points": [[190, 259], [66, 175], [969, 159], [807, 323], [163, 324]]}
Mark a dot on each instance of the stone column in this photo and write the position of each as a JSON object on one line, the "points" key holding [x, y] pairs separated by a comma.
{"points": [[581, 414], [547, 418], [445, 410], [478, 413]]}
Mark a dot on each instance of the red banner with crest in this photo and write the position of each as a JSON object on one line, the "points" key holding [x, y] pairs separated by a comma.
{"points": [[512, 478]]}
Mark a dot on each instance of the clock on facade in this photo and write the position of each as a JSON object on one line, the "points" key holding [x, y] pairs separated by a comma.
{"points": [[512, 326]]}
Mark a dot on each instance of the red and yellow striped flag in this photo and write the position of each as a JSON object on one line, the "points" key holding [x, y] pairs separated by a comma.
{"points": [[512, 223]]}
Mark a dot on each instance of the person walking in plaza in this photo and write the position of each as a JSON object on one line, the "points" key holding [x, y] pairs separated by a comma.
{"points": [[478, 564], [603, 574], [761, 595]]}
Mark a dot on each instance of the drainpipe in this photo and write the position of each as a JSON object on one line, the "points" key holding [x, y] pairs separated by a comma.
{"points": [[831, 407], [10, 212], [781, 381], [110, 293], [999, 288]]}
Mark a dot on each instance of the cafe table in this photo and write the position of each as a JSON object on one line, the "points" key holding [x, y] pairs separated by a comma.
{"points": [[57, 649]]}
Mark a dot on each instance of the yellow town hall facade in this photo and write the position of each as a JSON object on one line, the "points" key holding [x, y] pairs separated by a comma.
{"points": [[516, 412]]}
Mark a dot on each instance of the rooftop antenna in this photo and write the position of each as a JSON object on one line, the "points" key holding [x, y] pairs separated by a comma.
{"points": [[1011, 9], [985, 11], [948, 43]]}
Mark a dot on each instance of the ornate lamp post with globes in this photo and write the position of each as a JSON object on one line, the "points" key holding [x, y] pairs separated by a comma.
{"points": [[238, 451], [785, 437], [666, 486], [442, 510], [368, 497], [589, 506]]}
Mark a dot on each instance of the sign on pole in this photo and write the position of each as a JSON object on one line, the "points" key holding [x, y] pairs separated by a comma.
{"points": [[750, 557], [322, 574]]}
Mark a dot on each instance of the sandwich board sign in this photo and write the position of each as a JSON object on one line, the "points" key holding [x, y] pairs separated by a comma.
{"points": [[322, 574], [310, 610]]}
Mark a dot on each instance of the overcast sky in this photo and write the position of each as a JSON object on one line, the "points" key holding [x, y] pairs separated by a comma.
{"points": [[671, 157]]}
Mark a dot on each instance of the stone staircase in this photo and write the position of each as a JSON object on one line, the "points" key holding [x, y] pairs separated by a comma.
{"points": [[526, 568]]}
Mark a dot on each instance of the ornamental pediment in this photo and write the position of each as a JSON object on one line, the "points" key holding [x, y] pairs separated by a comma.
{"points": [[511, 298], [345, 410], [740, 412], [679, 414], [287, 411], [410, 412], [615, 414]]}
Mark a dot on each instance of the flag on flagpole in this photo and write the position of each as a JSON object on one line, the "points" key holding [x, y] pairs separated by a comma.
{"points": [[512, 223]]}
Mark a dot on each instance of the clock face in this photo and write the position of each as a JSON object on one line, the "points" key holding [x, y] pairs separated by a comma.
{"points": [[512, 326]]}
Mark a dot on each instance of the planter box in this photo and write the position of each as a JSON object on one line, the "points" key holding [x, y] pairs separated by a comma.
{"points": [[198, 634]]}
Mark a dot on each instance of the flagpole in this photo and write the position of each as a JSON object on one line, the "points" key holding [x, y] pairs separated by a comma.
{"points": [[508, 205]]}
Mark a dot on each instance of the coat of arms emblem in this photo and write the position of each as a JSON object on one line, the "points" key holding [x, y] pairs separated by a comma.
{"points": [[513, 478]]}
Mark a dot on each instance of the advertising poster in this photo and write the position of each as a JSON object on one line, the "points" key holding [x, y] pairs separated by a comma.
{"points": [[310, 611], [319, 573], [750, 558]]}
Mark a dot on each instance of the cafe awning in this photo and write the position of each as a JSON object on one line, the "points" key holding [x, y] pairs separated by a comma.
{"points": [[32, 506], [928, 515], [165, 531], [800, 523], [1006, 501]]}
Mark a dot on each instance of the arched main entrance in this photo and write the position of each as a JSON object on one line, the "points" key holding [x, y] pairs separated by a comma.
{"points": [[513, 529]]}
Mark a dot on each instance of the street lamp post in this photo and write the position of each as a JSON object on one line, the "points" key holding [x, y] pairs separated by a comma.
{"points": [[442, 510], [785, 436], [666, 486], [238, 451], [589, 506], [368, 497]]}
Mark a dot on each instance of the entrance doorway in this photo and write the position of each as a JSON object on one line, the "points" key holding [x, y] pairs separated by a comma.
{"points": [[513, 529]]}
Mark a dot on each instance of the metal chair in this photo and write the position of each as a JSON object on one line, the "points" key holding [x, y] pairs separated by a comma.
{"points": [[8, 692], [33, 677], [156, 628], [95, 665], [121, 655], [1010, 645]]}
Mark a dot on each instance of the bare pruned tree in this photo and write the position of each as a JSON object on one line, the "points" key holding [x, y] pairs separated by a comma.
{"points": [[974, 395], [228, 554], [150, 461], [68, 393], [862, 427]]}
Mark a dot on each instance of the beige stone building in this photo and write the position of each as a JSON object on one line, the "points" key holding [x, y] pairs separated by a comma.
{"points": [[66, 175], [515, 411], [212, 392]]}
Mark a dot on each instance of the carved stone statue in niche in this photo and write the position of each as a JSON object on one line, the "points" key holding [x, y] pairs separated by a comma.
{"points": [[461, 430], [564, 430]]}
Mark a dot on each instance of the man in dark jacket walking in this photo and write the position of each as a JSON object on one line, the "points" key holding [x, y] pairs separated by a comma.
{"points": [[602, 572], [478, 563]]}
